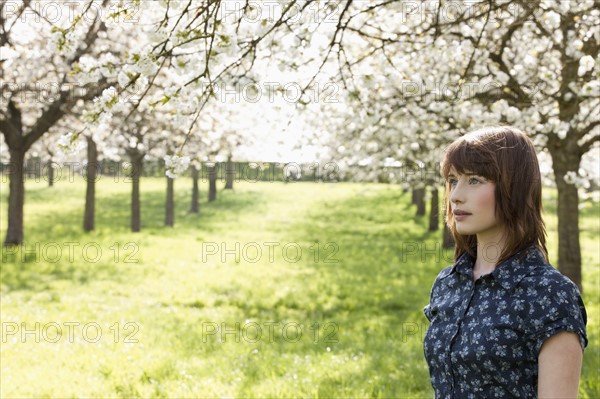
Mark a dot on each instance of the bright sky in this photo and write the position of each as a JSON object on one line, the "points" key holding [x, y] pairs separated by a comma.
{"points": [[284, 134]]}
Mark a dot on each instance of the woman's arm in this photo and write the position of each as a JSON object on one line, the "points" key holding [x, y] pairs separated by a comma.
{"points": [[559, 364]]}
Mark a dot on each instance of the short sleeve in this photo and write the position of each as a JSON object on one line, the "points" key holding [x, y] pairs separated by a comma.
{"points": [[427, 311], [557, 308]]}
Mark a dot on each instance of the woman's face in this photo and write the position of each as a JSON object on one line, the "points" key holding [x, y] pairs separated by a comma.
{"points": [[473, 203]]}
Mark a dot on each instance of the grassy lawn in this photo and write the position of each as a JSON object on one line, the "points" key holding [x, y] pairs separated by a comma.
{"points": [[274, 290]]}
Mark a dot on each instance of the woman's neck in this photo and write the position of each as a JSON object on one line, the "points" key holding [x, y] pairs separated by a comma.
{"points": [[489, 249]]}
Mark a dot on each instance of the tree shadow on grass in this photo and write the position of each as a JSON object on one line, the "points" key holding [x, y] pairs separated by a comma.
{"points": [[52, 237], [375, 289]]}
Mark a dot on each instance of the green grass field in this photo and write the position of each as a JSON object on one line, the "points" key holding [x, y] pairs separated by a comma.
{"points": [[321, 297]]}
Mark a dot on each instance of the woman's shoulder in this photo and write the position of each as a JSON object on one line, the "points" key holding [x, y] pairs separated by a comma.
{"points": [[554, 303], [463, 265], [545, 277], [438, 282], [445, 272]]}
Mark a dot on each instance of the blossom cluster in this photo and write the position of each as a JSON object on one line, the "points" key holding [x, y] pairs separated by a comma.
{"points": [[69, 144], [175, 165]]}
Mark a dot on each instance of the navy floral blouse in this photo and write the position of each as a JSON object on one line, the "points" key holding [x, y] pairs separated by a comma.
{"points": [[484, 337]]}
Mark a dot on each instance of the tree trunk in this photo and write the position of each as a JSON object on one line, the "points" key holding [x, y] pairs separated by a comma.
{"points": [[50, 174], [170, 206], [136, 173], [569, 250], [434, 212], [195, 208], [566, 156], [447, 240], [16, 198], [229, 174], [413, 198], [420, 200], [212, 182], [90, 185], [32, 169]]}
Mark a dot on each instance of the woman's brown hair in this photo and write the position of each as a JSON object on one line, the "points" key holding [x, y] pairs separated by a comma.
{"points": [[506, 156]]}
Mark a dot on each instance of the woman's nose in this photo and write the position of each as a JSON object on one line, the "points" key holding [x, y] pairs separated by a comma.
{"points": [[456, 194]]}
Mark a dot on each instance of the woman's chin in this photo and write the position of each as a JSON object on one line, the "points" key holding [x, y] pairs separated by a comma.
{"points": [[464, 232]]}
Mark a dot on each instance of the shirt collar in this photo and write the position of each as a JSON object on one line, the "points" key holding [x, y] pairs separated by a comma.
{"points": [[509, 273]]}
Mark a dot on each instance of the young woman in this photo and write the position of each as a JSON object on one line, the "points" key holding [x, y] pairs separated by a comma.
{"points": [[503, 322]]}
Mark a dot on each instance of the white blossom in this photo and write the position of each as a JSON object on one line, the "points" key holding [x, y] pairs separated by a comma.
{"points": [[564, 6], [586, 63], [591, 88], [512, 114], [530, 61], [562, 130], [499, 106], [62, 41], [109, 98], [142, 62], [65, 140], [176, 165], [104, 118], [552, 19], [68, 144], [122, 78], [575, 179], [146, 66]]}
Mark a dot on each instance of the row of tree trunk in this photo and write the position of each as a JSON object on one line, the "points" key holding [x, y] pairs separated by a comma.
{"points": [[418, 199], [136, 157]]}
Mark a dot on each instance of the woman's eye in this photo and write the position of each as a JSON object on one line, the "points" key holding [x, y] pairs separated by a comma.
{"points": [[474, 180], [452, 182]]}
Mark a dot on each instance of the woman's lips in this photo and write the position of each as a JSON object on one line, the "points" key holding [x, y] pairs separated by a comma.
{"points": [[459, 214]]}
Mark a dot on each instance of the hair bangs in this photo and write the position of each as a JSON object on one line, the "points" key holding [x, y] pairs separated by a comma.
{"points": [[470, 157]]}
